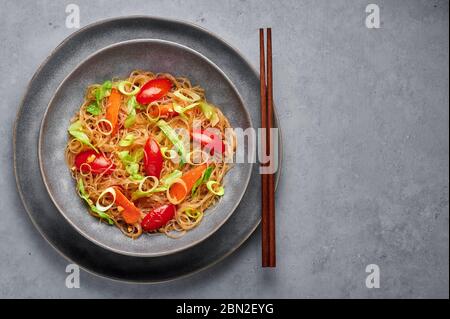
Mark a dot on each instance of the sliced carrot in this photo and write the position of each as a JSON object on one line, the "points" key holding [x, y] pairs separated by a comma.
{"points": [[112, 109], [131, 214], [189, 178], [165, 110]]}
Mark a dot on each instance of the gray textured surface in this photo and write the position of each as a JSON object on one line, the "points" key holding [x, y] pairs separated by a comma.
{"points": [[365, 179]]}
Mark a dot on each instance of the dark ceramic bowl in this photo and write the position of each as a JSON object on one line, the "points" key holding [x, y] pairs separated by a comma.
{"points": [[118, 60]]}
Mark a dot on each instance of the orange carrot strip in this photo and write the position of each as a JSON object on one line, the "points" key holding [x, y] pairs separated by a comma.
{"points": [[112, 109], [131, 214], [165, 110], [189, 178]]}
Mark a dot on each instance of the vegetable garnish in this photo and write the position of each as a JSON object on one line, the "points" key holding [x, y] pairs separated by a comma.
{"points": [[164, 110], [132, 105], [131, 214], [105, 129], [127, 140], [94, 109], [209, 112], [99, 206], [153, 159], [193, 213], [103, 91], [154, 185], [173, 137], [122, 86], [219, 189], [112, 109], [134, 157], [133, 170], [168, 154], [181, 185], [190, 217], [179, 192], [153, 113], [187, 95], [170, 178], [153, 90], [158, 217], [164, 184], [85, 196], [125, 157], [91, 162], [181, 110], [205, 177], [76, 130], [131, 162], [144, 193]]}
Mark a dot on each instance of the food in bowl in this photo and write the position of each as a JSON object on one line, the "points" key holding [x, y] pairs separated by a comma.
{"points": [[149, 153]]}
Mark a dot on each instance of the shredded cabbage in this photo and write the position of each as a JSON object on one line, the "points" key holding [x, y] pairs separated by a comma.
{"points": [[76, 130], [127, 140], [132, 105], [173, 137], [209, 112], [84, 196]]}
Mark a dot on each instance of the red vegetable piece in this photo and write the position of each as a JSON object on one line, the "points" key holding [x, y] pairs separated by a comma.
{"points": [[90, 161], [158, 217], [153, 159], [153, 90]]}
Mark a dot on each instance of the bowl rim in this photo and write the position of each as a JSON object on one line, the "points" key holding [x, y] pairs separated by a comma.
{"points": [[251, 151]]}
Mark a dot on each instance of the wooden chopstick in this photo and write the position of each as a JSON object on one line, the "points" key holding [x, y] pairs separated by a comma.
{"points": [[267, 180], [264, 179], [271, 190]]}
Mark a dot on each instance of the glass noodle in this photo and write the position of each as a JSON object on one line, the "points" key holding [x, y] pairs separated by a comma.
{"points": [[90, 129]]}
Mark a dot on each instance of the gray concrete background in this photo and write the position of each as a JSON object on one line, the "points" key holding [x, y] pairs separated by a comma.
{"points": [[366, 125]]}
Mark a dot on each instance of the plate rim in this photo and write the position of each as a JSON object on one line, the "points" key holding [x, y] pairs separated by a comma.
{"points": [[44, 175], [15, 167]]}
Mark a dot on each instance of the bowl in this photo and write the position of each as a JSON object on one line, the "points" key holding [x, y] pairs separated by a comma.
{"points": [[118, 60]]}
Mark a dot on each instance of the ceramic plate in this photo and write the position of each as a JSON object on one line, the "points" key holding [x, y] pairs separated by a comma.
{"points": [[43, 213], [118, 60]]}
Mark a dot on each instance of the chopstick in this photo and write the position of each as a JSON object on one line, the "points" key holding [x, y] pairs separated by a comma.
{"points": [[264, 184], [267, 180], [272, 248]]}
